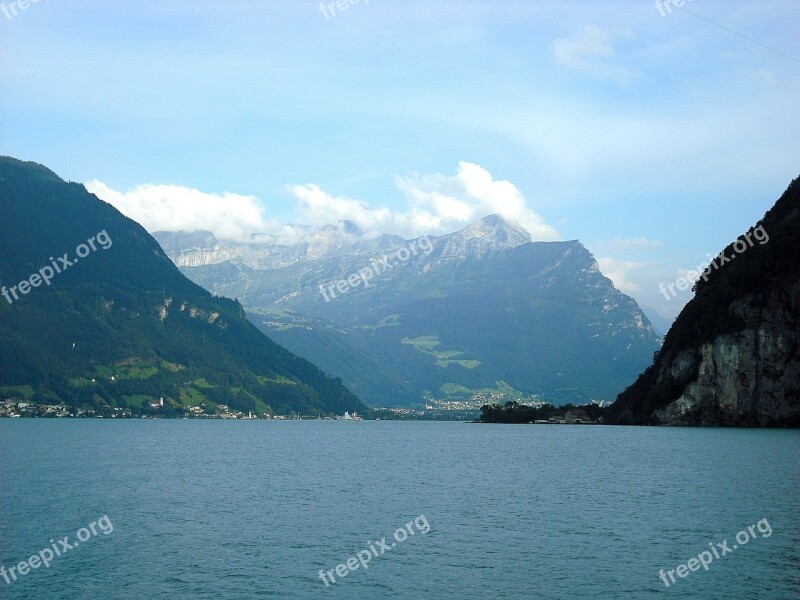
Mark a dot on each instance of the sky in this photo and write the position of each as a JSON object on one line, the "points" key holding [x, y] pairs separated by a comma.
{"points": [[654, 134]]}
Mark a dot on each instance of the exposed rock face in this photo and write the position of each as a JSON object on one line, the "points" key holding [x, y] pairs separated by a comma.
{"points": [[264, 252], [748, 378], [733, 356], [483, 238]]}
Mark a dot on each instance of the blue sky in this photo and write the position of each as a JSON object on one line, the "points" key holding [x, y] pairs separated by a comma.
{"points": [[654, 139]]}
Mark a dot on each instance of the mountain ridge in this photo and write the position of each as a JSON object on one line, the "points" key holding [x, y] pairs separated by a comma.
{"points": [[123, 326], [203, 248], [417, 323]]}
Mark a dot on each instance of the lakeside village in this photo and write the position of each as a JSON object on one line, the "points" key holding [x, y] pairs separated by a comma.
{"points": [[434, 410], [483, 408], [15, 409]]}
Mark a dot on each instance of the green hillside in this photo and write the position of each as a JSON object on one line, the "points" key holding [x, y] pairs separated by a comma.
{"points": [[121, 326]]}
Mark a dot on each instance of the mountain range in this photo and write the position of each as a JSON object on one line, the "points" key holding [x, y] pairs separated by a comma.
{"points": [[450, 318], [95, 315]]}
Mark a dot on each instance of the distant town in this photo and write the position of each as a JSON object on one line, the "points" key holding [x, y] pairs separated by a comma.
{"points": [[535, 411], [478, 400], [15, 409]]}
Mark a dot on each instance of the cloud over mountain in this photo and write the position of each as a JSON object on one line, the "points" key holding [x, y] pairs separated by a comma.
{"points": [[178, 208], [434, 204]]}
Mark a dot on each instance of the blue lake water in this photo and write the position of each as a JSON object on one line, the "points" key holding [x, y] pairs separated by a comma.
{"points": [[240, 510]]}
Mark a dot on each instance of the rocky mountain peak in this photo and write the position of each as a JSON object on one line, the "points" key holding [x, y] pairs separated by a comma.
{"points": [[499, 229], [484, 237], [333, 239]]}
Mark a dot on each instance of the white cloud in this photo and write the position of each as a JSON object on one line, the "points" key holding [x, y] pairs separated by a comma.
{"points": [[588, 44], [631, 277], [177, 208], [318, 208], [620, 272], [643, 281], [435, 204], [588, 51], [471, 194]]}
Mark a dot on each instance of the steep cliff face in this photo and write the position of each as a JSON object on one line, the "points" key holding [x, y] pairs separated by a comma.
{"points": [[733, 356], [748, 378]]}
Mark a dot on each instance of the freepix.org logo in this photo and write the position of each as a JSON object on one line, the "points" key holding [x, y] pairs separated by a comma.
{"points": [[665, 6], [45, 556], [47, 273], [11, 9], [703, 271], [362, 559], [328, 9], [377, 267], [718, 550]]}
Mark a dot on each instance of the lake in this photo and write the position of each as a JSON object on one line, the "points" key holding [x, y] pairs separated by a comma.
{"points": [[256, 509]]}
